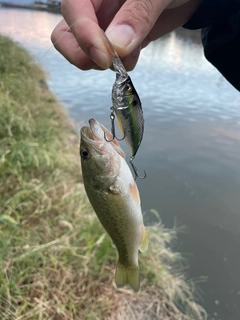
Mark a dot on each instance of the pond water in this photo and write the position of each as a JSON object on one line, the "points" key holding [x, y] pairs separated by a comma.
{"points": [[191, 146]]}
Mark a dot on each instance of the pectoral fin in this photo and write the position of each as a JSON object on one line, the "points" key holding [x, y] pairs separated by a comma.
{"points": [[144, 243], [127, 275], [134, 193]]}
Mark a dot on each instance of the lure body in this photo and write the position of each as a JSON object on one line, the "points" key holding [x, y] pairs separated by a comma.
{"points": [[128, 109], [127, 106]]}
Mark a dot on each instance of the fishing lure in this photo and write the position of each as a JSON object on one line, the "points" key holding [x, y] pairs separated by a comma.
{"points": [[127, 106]]}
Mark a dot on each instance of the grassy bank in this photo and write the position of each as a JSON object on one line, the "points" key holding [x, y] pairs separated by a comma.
{"points": [[56, 262]]}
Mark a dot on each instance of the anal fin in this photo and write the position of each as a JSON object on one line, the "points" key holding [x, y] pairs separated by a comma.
{"points": [[144, 243], [113, 245]]}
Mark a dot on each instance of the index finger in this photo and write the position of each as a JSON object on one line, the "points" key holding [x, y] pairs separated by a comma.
{"points": [[82, 20]]}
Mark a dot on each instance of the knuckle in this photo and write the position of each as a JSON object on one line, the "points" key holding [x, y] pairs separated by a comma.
{"points": [[142, 12]]}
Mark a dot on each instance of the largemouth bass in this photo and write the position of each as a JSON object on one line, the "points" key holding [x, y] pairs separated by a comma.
{"points": [[114, 196]]}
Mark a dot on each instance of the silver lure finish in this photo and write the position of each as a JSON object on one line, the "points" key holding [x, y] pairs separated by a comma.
{"points": [[127, 107]]}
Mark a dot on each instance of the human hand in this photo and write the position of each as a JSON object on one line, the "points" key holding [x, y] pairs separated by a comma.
{"points": [[129, 25]]}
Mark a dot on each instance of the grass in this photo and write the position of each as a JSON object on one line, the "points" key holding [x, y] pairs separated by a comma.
{"points": [[56, 261]]}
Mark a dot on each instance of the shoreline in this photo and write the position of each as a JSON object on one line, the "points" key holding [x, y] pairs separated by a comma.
{"points": [[38, 7]]}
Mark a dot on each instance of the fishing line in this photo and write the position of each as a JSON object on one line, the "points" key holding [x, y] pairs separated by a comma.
{"points": [[37, 62]]}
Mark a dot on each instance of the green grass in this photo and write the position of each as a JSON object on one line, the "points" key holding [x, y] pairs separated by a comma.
{"points": [[56, 261]]}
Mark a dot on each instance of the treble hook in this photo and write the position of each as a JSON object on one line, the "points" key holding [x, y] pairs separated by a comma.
{"points": [[112, 117], [135, 170]]}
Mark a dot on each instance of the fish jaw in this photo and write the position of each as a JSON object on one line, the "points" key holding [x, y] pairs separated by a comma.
{"points": [[100, 159], [102, 133]]}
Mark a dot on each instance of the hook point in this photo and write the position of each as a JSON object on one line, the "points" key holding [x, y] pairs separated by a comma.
{"points": [[135, 170]]}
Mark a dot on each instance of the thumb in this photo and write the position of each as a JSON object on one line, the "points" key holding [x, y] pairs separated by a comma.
{"points": [[133, 22]]}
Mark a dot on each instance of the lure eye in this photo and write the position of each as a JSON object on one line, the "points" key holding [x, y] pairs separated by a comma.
{"points": [[128, 87], [84, 153]]}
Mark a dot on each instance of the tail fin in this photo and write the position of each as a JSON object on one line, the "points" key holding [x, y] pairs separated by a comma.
{"points": [[127, 275]]}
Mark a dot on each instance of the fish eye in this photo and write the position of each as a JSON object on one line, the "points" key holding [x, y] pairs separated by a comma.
{"points": [[84, 153]]}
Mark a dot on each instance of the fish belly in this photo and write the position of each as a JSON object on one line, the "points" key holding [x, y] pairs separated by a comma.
{"points": [[122, 222]]}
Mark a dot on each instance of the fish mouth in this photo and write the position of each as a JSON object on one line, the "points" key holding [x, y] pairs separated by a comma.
{"points": [[99, 138], [92, 136], [96, 131]]}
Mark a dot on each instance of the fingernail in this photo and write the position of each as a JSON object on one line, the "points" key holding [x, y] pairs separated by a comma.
{"points": [[121, 35], [99, 57]]}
